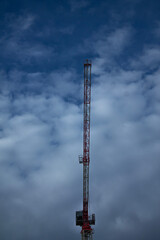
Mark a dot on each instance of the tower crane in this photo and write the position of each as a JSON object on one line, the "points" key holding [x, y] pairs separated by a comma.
{"points": [[82, 217]]}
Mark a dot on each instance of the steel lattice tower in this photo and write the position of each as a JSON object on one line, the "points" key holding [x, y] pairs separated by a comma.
{"points": [[82, 217]]}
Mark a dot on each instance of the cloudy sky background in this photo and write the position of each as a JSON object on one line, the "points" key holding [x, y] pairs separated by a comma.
{"points": [[43, 46]]}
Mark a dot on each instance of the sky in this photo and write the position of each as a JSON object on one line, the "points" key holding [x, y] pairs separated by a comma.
{"points": [[43, 46]]}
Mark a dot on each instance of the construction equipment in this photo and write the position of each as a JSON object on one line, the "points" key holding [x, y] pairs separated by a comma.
{"points": [[82, 217]]}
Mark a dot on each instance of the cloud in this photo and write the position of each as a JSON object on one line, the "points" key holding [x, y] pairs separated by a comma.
{"points": [[17, 45], [41, 137], [149, 59], [112, 43], [108, 47], [34, 143], [125, 121], [22, 23]]}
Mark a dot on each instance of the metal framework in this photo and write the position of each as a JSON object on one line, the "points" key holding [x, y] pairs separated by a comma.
{"points": [[82, 217]]}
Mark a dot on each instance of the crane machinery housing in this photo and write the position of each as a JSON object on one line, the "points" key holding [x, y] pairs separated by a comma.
{"points": [[82, 217]]}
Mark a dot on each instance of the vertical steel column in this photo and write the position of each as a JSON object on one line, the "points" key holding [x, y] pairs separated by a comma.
{"points": [[86, 143], [82, 218], [87, 235]]}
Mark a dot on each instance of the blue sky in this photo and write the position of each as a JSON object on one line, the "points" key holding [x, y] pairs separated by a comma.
{"points": [[43, 46]]}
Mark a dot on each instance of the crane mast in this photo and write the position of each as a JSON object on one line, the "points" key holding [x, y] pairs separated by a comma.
{"points": [[82, 217]]}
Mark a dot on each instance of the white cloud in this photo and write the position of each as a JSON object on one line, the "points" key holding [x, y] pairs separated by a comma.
{"points": [[108, 46], [41, 137], [113, 44], [16, 44], [125, 140], [149, 59], [39, 146]]}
